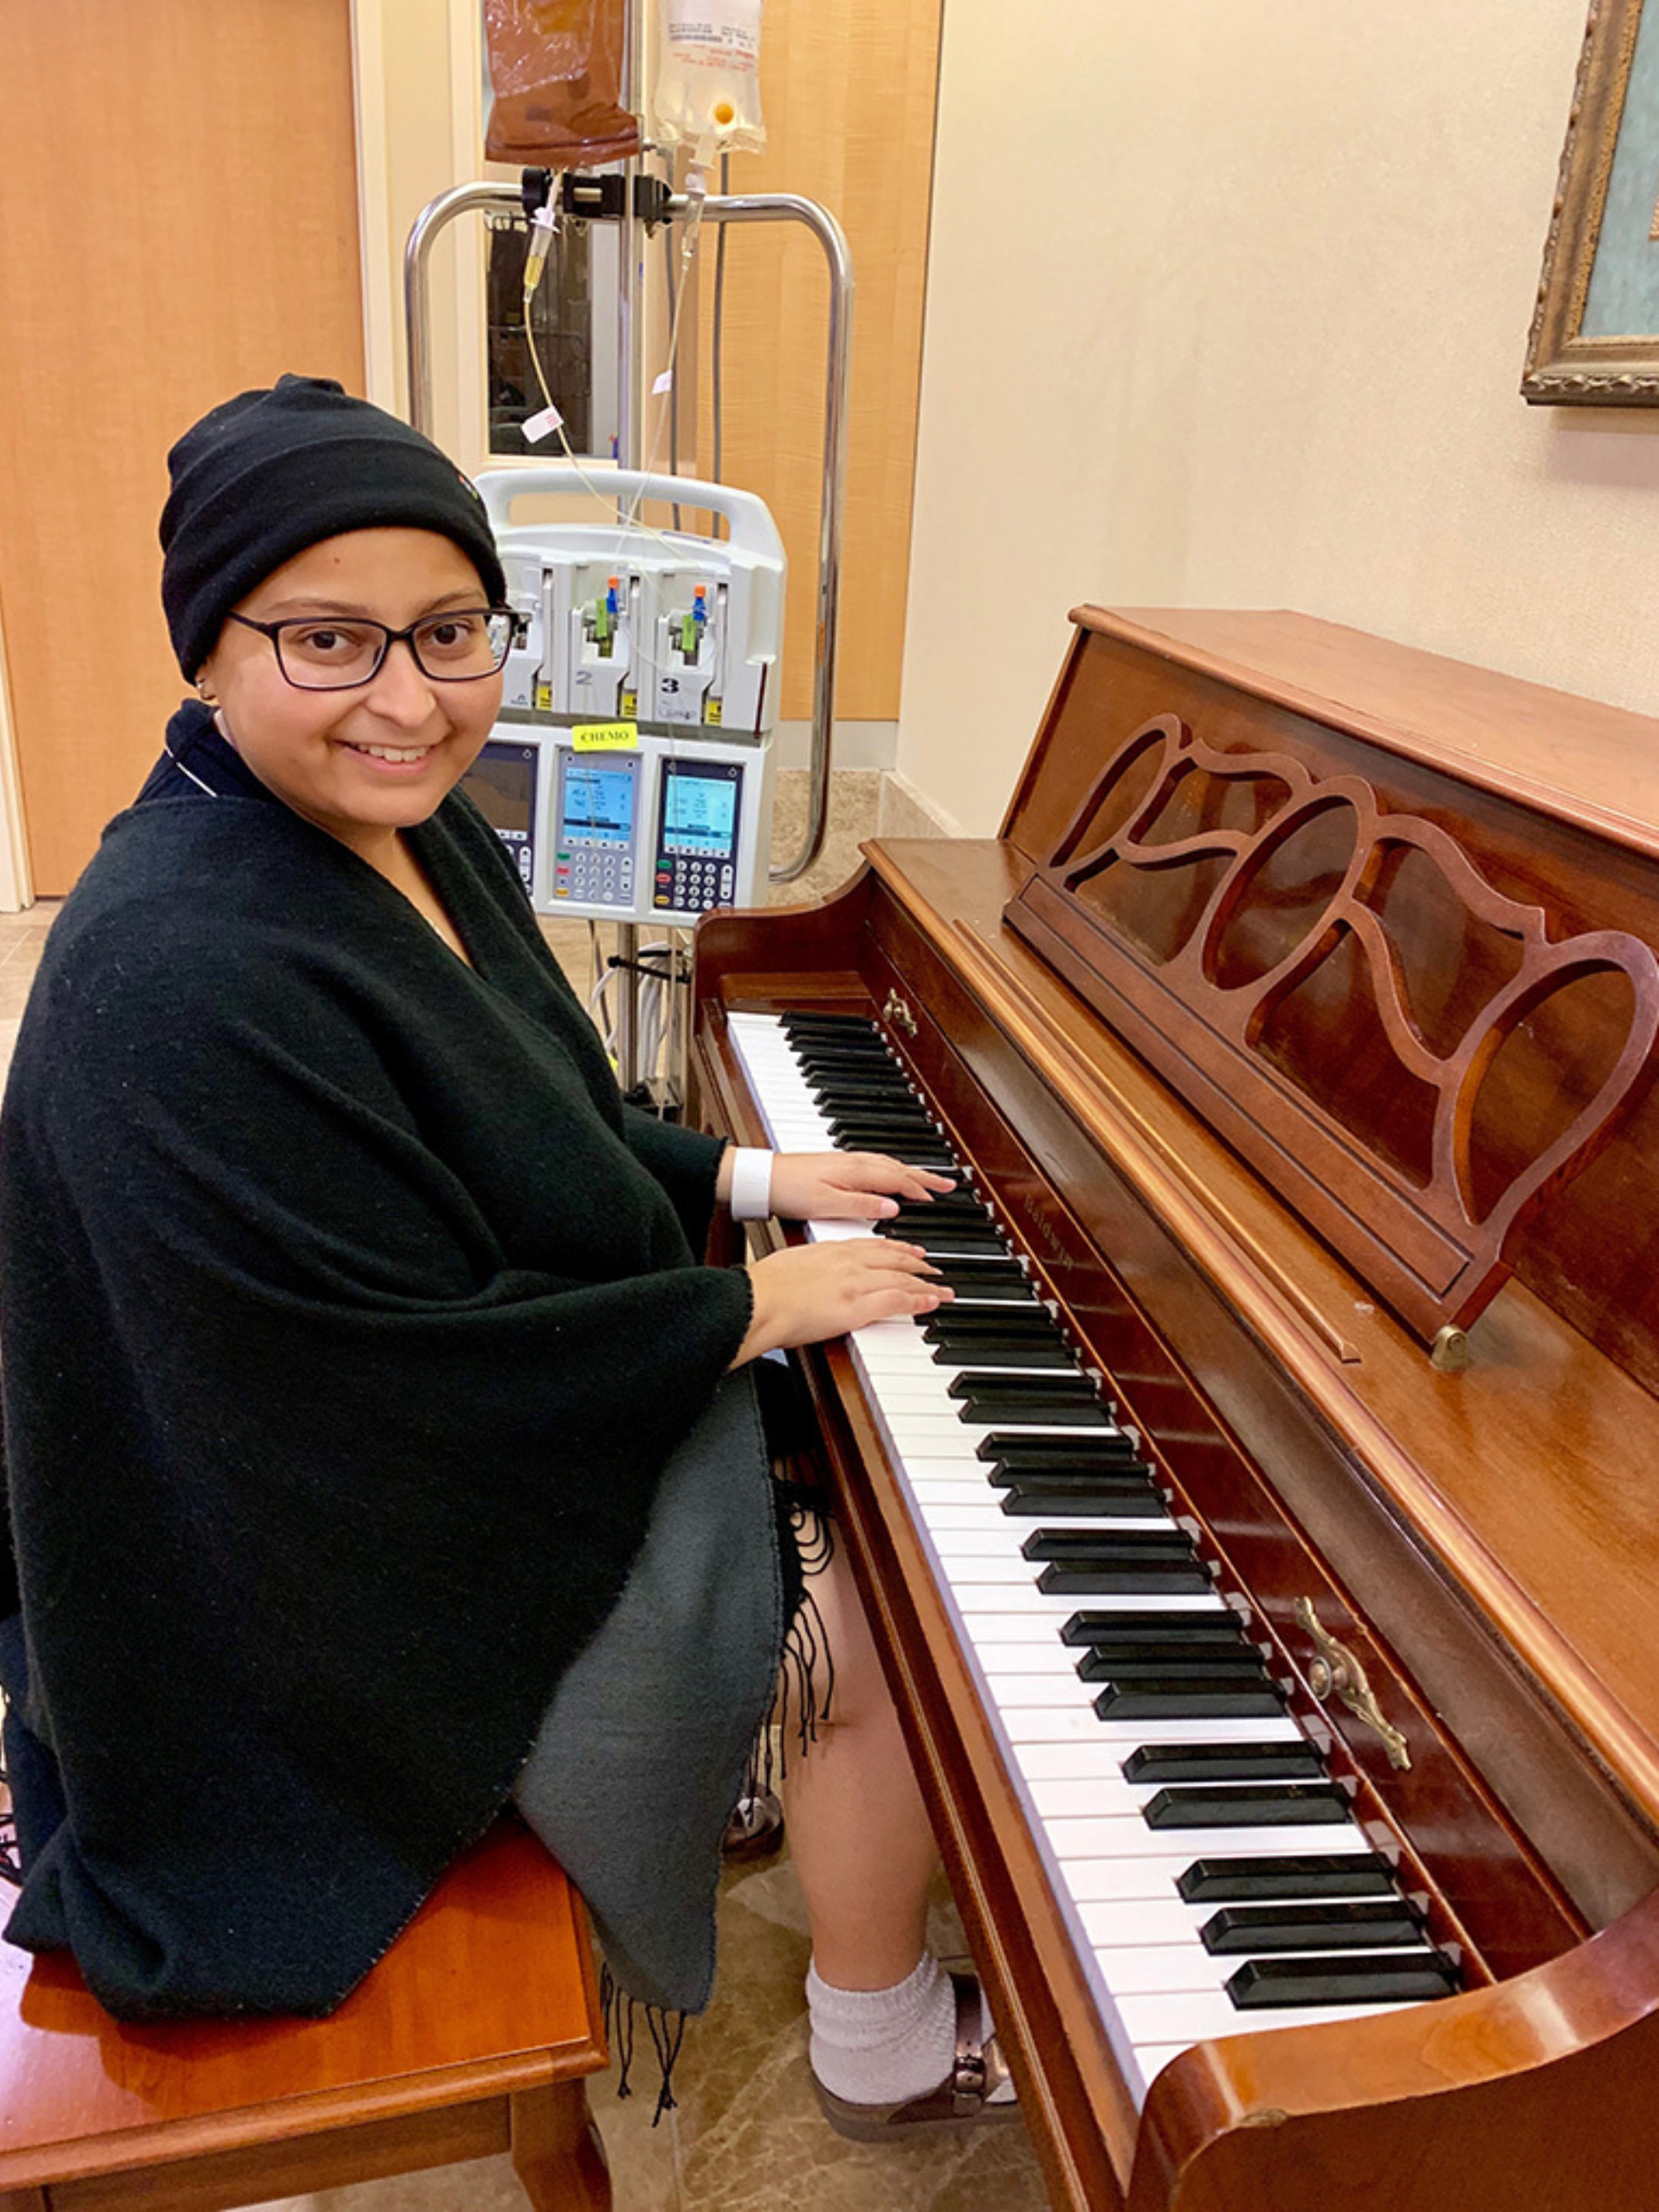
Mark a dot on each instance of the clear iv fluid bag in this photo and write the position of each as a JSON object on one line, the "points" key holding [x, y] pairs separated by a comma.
{"points": [[708, 91]]}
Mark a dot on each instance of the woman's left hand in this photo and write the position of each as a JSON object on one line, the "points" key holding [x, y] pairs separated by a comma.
{"points": [[848, 1186]]}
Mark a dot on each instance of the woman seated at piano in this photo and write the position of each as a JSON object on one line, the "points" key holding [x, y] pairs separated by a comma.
{"points": [[381, 1453]]}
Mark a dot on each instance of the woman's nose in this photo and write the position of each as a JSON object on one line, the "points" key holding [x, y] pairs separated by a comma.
{"points": [[401, 691]]}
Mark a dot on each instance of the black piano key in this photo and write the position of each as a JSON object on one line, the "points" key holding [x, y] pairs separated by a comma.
{"points": [[899, 1104], [1040, 1357], [844, 1089], [908, 1151], [979, 1405], [1120, 1547], [1126, 1579], [1223, 1762], [992, 1329], [1218, 1697], [1041, 1455], [1246, 1931], [1005, 1268], [1268, 1804], [1386, 1978], [1119, 1662], [1216, 1881], [1055, 1390], [900, 1120], [826, 1071], [1011, 1289], [811, 1020], [855, 1029], [945, 1237], [1028, 1497], [1152, 1628], [961, 1203], [848, 1055], [858, 1133], [1115, 1480]]}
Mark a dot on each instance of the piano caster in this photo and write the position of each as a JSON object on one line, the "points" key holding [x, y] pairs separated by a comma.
{"points": [[755, 1829]]}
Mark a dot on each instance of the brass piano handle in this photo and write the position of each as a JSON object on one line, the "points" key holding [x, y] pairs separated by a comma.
{"points": [[1336, 1669], [898, 1015]]}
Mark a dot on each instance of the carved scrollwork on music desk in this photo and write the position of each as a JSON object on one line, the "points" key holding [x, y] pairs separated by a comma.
{"points": [[1406, 1052]]}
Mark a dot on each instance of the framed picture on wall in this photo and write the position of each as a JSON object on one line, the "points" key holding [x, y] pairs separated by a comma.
{"points": [[1595, 337]]}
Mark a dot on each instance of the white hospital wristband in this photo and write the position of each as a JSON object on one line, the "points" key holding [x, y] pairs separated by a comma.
{"points": [[751, 1184]]}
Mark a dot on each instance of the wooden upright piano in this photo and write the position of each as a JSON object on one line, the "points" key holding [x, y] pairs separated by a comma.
{"points": [[1265, 1545]]}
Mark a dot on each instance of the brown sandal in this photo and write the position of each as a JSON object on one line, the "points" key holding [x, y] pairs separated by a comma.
{"points": [[962, 2101]]}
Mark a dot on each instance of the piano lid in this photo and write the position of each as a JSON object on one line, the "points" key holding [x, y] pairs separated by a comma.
{"points": [[1322, 885]]}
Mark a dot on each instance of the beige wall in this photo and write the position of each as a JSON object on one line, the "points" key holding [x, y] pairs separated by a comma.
{"points": [[418, 78], [1239, 321]]}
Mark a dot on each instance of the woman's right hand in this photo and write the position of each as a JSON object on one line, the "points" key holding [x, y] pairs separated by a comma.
{"points": [[812, 1291]]}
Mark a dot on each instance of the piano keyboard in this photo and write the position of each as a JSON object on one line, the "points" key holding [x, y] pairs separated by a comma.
{"points": [[1212, 1875]]}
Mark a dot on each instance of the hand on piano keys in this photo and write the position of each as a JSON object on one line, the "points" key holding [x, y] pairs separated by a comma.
{"points": [[1209, 1869], [811, 1292], [850, 1186]]}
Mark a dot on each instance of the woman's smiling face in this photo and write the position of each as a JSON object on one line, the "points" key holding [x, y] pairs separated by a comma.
{"points": [[366, 762]]}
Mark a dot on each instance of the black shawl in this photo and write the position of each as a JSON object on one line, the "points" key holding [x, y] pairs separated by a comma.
{"points": [[348, 1320]]}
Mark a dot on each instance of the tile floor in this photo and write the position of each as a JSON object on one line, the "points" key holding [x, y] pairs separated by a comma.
{"points": [[747, 2135]]}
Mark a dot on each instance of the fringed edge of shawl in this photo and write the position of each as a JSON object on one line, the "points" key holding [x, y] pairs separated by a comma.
{"points": [[622, 2015], [796, 1712]]}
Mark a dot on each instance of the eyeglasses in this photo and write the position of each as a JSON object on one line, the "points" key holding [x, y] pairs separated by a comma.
{"points": [[337, 653]]}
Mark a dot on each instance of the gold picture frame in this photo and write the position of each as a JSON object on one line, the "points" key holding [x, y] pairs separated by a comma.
{"points": [[1601, 273]]}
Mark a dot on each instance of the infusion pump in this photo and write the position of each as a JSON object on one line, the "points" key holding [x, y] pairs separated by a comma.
{"points": [[659, 832], [630, 774]]}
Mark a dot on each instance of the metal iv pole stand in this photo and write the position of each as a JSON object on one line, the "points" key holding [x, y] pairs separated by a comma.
{"points": [[760, 207]]}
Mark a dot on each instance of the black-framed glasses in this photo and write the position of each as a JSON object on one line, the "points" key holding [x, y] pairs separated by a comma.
{"points": [[338, 652]]}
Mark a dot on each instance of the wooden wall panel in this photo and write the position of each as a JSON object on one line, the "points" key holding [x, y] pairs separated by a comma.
{"points": [[849, 88], [179, 184]]}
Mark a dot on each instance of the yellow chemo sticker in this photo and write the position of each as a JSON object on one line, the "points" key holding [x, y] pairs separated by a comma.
{"points": [[605, 737]]}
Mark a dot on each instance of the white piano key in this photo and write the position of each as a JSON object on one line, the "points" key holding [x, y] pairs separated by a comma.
{"points": [[991, 1619], [1059, 1604], [1107, 1794], [1097, 1877], [1118, 1738], [1195, 2017], [1122, 1925], [1072, 1841]]}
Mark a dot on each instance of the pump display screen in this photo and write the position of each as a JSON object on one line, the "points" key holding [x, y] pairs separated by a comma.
{"points": [[699, 812], [598, 804], [502, 785]]}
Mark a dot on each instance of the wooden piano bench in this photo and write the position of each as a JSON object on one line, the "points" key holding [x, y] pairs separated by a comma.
{"points": [[472, 2036]]}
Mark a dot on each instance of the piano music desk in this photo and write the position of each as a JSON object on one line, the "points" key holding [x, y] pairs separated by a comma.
{"points": [[472, 2036]]}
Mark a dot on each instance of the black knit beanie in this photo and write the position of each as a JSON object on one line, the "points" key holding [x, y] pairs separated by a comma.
{"points": [[268, 473]]}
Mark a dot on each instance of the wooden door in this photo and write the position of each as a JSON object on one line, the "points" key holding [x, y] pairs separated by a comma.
{"points": [[180, 186]]}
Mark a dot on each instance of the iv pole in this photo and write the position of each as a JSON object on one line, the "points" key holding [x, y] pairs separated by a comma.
{"points": [[757, 207], [761, 207]]}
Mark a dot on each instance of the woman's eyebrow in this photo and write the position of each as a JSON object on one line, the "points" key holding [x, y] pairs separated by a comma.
{"points": [[464, 595]]}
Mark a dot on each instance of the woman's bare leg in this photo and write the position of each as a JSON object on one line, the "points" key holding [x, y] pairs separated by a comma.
{"points": [[857, 1830]]}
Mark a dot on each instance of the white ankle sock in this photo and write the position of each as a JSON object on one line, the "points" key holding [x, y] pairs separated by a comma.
{"points": [[886, 2046]]}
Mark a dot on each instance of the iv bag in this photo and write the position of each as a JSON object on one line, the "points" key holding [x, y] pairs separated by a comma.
{"points": [[556, 69], [707, 92]]}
